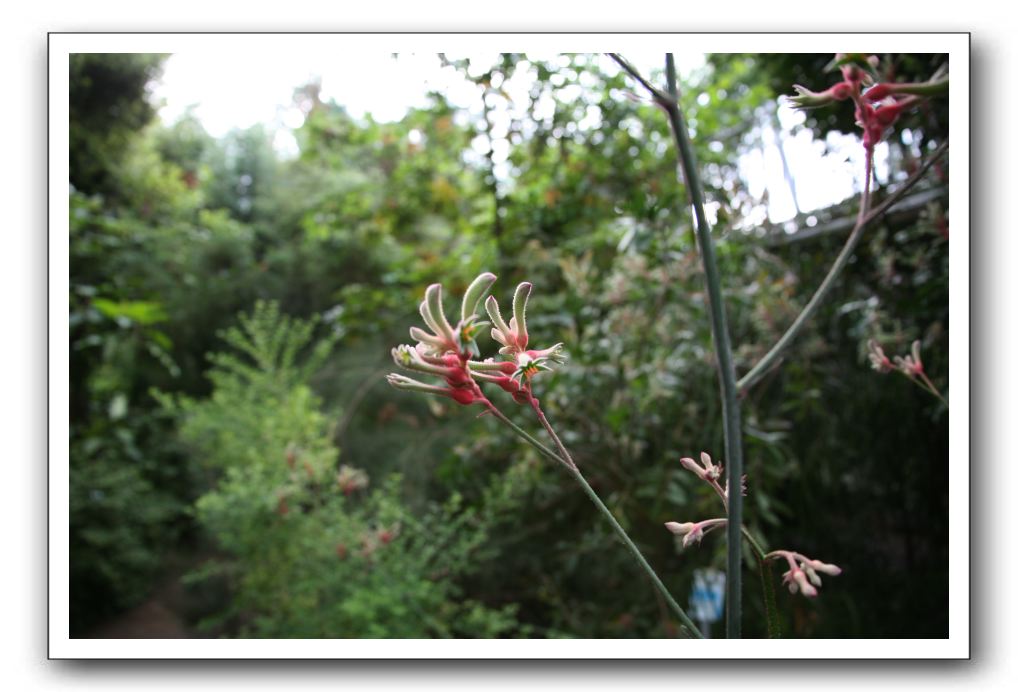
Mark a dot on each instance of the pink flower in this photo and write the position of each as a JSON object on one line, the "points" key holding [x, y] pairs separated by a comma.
{"points": [[707, 472], [796, 580], [802, 572], [443, 338], [693, 532], [514, 337], [878, 359], [461, 395], [911, 365]]}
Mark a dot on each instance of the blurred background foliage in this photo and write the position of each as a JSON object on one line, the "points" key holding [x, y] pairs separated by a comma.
{"points": [[232, 310]]}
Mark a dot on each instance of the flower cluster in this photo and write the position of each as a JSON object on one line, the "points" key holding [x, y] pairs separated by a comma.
{"points": [[448, 352], [910, 365], [877, 104], [514, 338], [710, 473], [802, 575], [693, 532], [802, 572], [350, 479]]}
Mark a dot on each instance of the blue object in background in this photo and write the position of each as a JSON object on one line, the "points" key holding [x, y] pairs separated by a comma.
{"points": [[707, 601]]}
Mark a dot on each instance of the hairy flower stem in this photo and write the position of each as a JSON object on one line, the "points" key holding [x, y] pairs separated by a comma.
{"points": [[564, 458], [864, 217], [722, 348]]}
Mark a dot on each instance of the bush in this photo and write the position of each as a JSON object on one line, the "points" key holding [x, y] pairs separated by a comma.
{"points": [[308, 549]]}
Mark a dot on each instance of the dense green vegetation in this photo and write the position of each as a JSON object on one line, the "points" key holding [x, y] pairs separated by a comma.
{"points": [[232, 311]]}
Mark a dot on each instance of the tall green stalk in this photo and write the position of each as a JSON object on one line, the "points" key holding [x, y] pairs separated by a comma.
{"points": [[723, 350]]}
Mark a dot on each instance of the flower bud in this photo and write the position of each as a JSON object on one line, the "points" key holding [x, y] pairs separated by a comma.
{"points": [[832, 570], [805, 98], [680, 529], [808, 589], [691, 465], [878, 359]]}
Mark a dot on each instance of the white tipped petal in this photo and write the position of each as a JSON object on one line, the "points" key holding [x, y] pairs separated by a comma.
{"points": [[433, 297], [491, 305], [418, 334]]}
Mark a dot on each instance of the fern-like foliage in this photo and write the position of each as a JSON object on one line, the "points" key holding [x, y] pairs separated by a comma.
{"points": [[312, 550]]}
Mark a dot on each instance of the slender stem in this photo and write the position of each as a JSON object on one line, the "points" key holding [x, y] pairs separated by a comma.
{"points": [[900, 191], [933, 388], [566, 460], [659, 96], [753, 542], [864, 217], [766, 585], [723, 350], [536, 405], [530, 439], [621, 533], [773, 356]]}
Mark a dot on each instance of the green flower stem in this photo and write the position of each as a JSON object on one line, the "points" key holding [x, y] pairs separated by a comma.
{"points": [[753, 542], [925, 383], [723, 350], [864, 217], [566, 460]]}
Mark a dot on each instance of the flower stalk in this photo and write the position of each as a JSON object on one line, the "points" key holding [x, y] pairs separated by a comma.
{"points": [[723, 349], [447, 352]]}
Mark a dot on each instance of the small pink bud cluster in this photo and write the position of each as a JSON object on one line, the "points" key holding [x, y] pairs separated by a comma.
{"points": [[693, 532], [911, 365], [879, 106], [802, 574], [710, 473]]}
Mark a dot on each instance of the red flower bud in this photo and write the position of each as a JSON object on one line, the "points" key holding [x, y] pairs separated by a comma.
{"points": [[463, 396], [840, 91], [878, 92]]}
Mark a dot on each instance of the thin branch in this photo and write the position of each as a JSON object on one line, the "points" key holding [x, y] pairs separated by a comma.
{"points": [[865, 216], [355, 401], [659, 96], [900, 191]]}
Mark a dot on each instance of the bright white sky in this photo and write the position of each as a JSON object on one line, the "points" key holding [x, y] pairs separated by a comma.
{"points": [[238, 90]]}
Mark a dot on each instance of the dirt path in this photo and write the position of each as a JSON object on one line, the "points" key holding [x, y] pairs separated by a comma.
{"points": [[157, 618]]}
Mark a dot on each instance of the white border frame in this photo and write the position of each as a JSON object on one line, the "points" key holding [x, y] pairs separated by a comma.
{"points": [[956, 646]]}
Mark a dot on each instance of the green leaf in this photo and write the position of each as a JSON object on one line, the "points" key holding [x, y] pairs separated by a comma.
{"points": [[138, 311]]}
